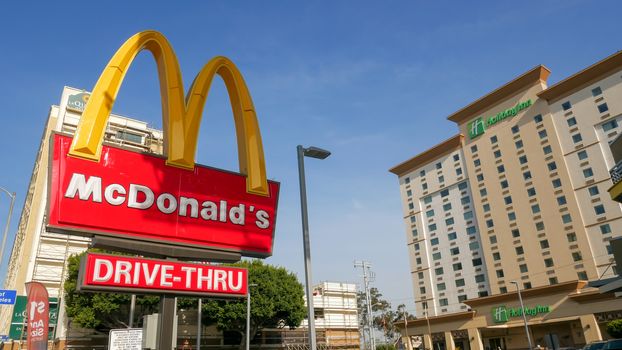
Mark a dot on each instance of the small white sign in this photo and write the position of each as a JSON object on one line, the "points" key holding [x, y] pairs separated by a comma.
{"points": [[125, 339]]}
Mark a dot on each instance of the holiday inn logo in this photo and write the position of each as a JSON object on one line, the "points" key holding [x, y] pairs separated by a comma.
{"points": [[477, 126], [502, 314]]}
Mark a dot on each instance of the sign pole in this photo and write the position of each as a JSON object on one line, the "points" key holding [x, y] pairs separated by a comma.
{"points": [[199, 324], [166, 322]]}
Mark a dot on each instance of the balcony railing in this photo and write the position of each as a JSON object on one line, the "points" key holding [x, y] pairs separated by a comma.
{"points": [[616, 173]]}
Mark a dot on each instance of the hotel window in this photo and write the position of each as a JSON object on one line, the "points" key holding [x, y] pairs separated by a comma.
{"points": [[500, 273], [552, 166], [515, 233], [409, 193], [542, 134], [493, 139], [414, 232], [501, 169], [548, 262], [441, 178], [593, 190], [407, 180], [504, 184], [610, 125], [477, 262], [546, 149], [577, 138], [602, 108], [432, 227], [456, 157], [523, 268], [427, 199], [582, 154], [465, 200], [582, 275], [535, 209], [599, 209], [451, 236], [474, 148], [515, 129], [480, 278], [458, 171], [490, 223], [588, 172], [445, 193], [457, 266], [497, 154], [447, 206], [571, 237], [531, 192], [571, 122], [508, 200], [418, 261], [556, 183], [424, 186], [434, 241], [576, 256], [561, 200], [527, 285], [527, 175], [438, 271], [449, 221], [439, 165], [539, 226], [496, 256], [413, 219], [422, 173], [468, 215], [443, 302], [503, 290], [474, 245], [553, 280], [480, 177], [411, 206], [483, 192], [566, 105], [470, 230], [482, 294], [518, 144], [420, 275], [486, 207], [462, 185], [454, 251], [522, 159], [544, 244], [519, 250], [596, 91], [436, 256], [605, 229], [538, 118], [460, 282], [429, 213], [441, 286], [462, 298], [422, 290], [417, 247]]}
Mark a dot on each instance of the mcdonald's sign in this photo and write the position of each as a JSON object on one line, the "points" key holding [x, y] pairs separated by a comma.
{"points": [[98, 189]]}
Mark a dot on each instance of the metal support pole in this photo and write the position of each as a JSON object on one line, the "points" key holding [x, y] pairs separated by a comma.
{"points": [[306, 246], [132, 308], [8, 222], [199, 311], [248, 319], [522, 307], [408, 344], [166, 322]]}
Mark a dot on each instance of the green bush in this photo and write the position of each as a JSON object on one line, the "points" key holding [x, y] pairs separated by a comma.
{"points": [[385, 347], [614, 328]]}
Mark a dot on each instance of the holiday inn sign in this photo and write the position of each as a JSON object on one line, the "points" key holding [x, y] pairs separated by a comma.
{"points": [[502, 314], [478, 126]]}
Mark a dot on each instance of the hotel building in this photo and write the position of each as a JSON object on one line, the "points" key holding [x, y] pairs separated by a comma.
{"points": [[518, 198]]}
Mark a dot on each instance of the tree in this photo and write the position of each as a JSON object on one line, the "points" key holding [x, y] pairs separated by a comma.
{"points": [[276, 302], [101, 311], [384, 316], [614, 328]]}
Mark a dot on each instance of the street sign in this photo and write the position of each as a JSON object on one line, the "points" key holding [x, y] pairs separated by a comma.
{"points": [[7, 296]]}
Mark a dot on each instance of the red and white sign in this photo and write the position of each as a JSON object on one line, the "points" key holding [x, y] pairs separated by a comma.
{"points": [[38, 311], [114, 272], [137, 196]]}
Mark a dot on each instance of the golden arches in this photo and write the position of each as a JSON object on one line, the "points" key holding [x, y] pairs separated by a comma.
{"points": [[180, 117]]}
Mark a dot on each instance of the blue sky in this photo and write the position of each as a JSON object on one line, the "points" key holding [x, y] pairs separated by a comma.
{"points": [[371, 81]]}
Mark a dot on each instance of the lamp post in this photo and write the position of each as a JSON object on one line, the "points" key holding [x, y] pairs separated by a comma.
{"points": [[318, 153], [522, 307], [248, 316], [8, 221]]}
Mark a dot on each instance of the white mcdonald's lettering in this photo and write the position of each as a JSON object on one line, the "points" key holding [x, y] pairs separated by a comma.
{"points": [[143, 198]]}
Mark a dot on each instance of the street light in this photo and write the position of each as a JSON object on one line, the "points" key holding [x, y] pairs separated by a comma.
{"points": [[522, 307], [248, 316], [318, 153], [8, 221]]}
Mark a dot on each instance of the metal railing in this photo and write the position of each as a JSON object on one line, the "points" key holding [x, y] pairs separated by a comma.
{"points": [[616, 173]]}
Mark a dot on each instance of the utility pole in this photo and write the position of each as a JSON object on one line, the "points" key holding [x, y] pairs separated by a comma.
{"points": [[367, 277]]}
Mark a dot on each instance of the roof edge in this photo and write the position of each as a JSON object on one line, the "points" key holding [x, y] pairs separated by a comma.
{"points": [[452, 143]]}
